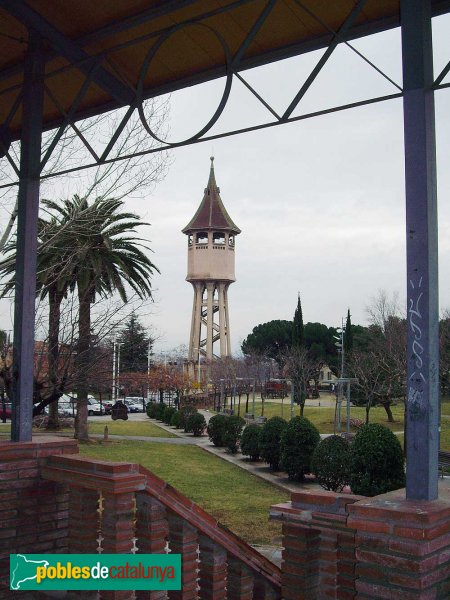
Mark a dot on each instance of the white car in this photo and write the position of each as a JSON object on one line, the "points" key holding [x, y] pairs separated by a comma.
{"points": [[67, 405]]}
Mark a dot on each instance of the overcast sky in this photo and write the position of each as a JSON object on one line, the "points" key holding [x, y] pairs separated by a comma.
{"points": [[320, 202]]}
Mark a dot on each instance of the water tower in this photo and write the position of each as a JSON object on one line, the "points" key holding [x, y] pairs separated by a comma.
{"points": [[211, 251]]}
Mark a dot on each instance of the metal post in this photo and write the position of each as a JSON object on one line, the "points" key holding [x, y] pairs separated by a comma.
{"points": [[253, 398], [348, 406], [148, 370], [422, 253], [114, 398], [27, 223]]}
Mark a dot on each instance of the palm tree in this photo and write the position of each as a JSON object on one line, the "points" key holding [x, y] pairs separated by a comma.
{"points": [[49, 283], [90, 248], [101, 255]]}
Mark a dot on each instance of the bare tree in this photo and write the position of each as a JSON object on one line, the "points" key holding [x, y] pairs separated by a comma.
{"points": [[301, 367], [134, 175], [381, 367]]}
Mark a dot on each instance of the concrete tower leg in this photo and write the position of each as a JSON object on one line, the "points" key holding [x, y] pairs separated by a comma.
{"points": [[222, 321], [227, 320], [194, 342], [209, 320]]}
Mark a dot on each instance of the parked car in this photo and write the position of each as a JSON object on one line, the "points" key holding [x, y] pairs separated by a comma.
{"points": [[138, 401], [132, 405], [70, 401], [5, 411]]}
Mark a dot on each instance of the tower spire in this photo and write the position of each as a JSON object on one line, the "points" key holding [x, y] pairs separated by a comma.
{"points": [[212, 178]]}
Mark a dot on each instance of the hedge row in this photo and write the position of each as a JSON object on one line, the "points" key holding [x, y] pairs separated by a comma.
{"points": [[187, 418], [372, 465]]}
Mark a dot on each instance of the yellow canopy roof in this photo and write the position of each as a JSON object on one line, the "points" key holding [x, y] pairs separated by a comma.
{"points": [[110, 41]]}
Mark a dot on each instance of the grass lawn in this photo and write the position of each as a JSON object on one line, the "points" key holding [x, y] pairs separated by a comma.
{"points": [[323, 417], [237, 498], [139, 428]]}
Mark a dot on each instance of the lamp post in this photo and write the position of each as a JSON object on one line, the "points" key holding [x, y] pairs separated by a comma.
{"points": [[114, 372], [118, 369], [148, 369], [340, 348]]}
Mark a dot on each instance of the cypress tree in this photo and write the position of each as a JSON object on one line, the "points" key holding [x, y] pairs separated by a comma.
{"points": [[298, 330], [348, 334]]}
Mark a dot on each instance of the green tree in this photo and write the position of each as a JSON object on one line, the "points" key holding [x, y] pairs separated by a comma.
{"points": [[135, 346], [271, 339], [104, 257]]}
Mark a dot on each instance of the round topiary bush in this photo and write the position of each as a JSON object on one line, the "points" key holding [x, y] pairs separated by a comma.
{"points": [[159, 410], [151, 410], [233, 431], [175, 421], [250, 441], [196, 424], [216, 429], [377, 463], [186, 412], [330, 463], [298, 442], [167, 414], [270, 441]]}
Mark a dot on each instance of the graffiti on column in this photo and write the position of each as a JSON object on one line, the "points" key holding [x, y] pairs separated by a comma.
{"points": [[417, 378]]}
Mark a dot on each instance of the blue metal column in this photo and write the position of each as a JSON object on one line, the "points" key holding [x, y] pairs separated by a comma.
{"points": [[27, 220], [422, 252]]}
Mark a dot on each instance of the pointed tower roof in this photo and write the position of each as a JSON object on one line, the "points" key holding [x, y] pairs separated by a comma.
{"points": [[211, 214]]}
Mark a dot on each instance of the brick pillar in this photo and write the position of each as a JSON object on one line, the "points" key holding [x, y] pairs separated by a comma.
{"points": [[402, 547], [151, 534], [83, 521], [212, 570], [346, 557], [118, 533], [319, 546], [300, 562], [183, 540], [263, 589], [240, 580]]}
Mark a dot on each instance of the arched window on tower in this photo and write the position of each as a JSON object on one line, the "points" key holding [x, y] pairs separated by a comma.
{"points": [[202, 237], [231, 240], [190, 240], [218, 237]]}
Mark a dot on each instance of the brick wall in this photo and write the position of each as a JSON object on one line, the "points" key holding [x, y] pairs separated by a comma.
{"points": [[346, 547], [33, 512]]}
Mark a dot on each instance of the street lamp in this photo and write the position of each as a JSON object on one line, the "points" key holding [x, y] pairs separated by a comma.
{"points": [[116, 369]]}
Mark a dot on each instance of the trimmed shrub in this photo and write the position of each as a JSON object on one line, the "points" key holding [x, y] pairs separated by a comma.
{"points": [[216, 429], [377, 463], [151, 410], [159, 410], [330, 463], [185, 413], [167, 414], [175, 421], [250, 441], [233, 432], [298, 442], [270, 441], [196, 424]]}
